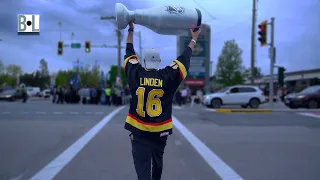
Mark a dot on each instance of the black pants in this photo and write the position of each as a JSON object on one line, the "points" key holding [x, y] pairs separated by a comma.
{"points": [[146, 151]]}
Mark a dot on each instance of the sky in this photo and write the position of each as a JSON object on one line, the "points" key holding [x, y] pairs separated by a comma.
{"points": [[297, 25]]}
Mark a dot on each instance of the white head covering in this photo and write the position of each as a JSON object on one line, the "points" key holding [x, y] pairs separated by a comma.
{"points": [[152, 58]]}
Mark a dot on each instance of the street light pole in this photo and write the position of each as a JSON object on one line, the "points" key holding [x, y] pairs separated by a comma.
{"points": [[119, 39]]}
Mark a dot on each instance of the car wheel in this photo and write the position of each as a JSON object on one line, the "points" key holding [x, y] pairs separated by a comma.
{"points": [[313, 104], [254, 103], [216, 103], [244, 106]]}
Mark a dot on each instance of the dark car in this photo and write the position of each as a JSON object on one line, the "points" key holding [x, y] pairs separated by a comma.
{"points": [[11, 95], [308, 98]]}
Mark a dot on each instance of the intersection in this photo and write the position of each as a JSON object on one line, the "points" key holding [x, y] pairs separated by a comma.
{"points": [[49, 141]]}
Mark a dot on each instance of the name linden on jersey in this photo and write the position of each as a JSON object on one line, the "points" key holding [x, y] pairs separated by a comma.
{"points": [[151, 82]]}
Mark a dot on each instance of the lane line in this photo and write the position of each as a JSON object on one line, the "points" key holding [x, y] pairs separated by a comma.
{"points": [[310, 115], [89, 112], [56, 165], [74, 113], [24, 112], [41, 112], [58, 112], [6, 112], [99, 112], [214, 161]]}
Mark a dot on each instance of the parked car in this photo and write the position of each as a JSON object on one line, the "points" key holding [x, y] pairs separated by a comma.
{"points": [[307, 98], [46, 93], [11, 95], [33, 91], [242, 95]]}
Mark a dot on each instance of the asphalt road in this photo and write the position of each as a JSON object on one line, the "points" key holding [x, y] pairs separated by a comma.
{"points": [[41, 140]]}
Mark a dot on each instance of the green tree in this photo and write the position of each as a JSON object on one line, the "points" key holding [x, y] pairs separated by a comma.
{"points": [[112, 75], [44, 67], [63, 77], [2, 68], [257, 72], [229, 69], [14, 70]]}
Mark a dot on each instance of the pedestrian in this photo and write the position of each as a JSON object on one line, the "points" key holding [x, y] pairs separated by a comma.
{"points": [[108, 95], [60, 96], [152, 89]]}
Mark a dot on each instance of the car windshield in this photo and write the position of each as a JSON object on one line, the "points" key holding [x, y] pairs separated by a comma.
{"points": [[12, 91], [224, 89], [311, 89]]}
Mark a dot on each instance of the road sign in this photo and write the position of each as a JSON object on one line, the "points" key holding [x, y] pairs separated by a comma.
{"points": [[76, 45], [199, 62]]}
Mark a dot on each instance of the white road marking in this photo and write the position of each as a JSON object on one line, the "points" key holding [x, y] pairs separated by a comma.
{"points": [[41, 112], [310, 115], [99, 112], [55, 166], [74, 113], [24, 112], [58, 112], [89, 112], [6, 112], [217, 164], [177, 143], [211, 110]]}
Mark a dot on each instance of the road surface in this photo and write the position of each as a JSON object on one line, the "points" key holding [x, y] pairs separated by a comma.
{"points": [[40, 140]]}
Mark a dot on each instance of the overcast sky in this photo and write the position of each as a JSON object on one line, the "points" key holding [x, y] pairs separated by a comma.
{"points": [[297, 28]]}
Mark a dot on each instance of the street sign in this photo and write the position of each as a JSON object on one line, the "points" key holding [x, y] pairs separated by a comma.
{"points": [[75, 45]]}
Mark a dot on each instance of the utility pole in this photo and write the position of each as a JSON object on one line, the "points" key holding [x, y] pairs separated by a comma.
{"points": [[272, 55], [253, 40], [60, 31], [140, 46], [119, 39]]}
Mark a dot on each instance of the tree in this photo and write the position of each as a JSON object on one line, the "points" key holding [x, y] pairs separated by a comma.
{"points": [[44, 71], [14, 70], [2, 68], [257, 73], [112, 76], [229, 69]]}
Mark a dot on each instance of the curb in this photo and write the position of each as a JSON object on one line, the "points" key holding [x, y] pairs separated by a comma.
{"points": [[243, 111]]}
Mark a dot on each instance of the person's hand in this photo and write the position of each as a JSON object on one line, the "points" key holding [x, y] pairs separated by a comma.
{"points": [[131, 25], [195, 35]]}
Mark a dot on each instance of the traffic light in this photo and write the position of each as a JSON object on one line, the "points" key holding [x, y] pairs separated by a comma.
{"points": [[281, 71], [263, 32], [60, 48], [87, 46]]}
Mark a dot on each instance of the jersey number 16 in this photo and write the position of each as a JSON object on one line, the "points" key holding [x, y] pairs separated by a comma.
{"points": [[153, 102]]}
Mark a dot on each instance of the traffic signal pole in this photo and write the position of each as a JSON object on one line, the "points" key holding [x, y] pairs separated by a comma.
{"points": [[272, 56], [253, 41]]}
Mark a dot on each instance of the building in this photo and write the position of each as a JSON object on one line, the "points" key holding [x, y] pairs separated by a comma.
{"points": [[297, 79]]}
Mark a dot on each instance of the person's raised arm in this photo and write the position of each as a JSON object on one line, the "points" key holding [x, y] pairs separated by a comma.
{"points": [[130, 33], [183, 61]]}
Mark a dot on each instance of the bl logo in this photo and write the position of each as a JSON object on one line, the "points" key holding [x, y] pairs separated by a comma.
{"points": [[28, 24]]}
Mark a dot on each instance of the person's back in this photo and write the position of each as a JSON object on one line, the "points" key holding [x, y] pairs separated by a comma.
{"points": [[150, 114]]}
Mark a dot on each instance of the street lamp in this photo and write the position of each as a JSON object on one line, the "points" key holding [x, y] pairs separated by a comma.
{"points": [[113, 18]]}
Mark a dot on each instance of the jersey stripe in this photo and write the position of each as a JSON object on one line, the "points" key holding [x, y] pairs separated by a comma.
{"points": [[127, 60], [149, 127], [182, 69]]}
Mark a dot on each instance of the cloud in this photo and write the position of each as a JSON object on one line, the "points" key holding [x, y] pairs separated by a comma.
{"points": [[296, 26]]}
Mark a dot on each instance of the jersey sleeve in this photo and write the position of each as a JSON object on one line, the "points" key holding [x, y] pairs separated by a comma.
{"points": [[131, 67], [177, 75]]}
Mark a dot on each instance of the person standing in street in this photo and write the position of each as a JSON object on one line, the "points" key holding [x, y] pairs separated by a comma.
{"points": [[108, 95], [149, 120]]}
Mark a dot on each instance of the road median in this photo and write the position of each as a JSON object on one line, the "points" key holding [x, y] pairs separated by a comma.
{"points": [[243, 110]]}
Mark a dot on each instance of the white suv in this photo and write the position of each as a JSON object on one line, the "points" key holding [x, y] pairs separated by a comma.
{"points": [[236, 95]]}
